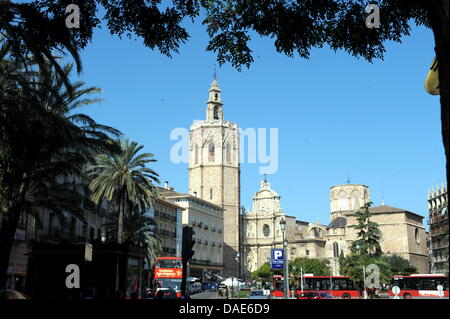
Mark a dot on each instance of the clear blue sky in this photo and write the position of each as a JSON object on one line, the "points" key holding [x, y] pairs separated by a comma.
{"points": [[337, 116]]}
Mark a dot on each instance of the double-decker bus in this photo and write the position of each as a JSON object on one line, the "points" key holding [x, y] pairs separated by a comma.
{"points": [[168, 274], [420, 286], [338, 286]]}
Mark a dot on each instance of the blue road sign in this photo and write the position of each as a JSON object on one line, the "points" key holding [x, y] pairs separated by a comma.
{"points": [[277, 258]]}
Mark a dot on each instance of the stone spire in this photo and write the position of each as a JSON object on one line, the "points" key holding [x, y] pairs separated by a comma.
{"points": [[214, 110]]}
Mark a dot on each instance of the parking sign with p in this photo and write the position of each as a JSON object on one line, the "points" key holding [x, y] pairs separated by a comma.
{"points": [[277, 258]]}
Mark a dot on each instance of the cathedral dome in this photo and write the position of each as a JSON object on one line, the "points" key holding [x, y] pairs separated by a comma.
{"points": [[339, 222]]}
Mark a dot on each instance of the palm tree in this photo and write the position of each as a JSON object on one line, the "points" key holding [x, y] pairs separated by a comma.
{"points": [[123, 179], [44, 144], [138, 227]]}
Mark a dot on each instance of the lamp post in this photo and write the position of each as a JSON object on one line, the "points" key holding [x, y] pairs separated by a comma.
{"points": [[238, 287], [286, 262]]}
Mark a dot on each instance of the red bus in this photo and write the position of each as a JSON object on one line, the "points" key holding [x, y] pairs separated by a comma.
{"points": [[420, 286], [168, 274], [338, 286], [278, 287]]}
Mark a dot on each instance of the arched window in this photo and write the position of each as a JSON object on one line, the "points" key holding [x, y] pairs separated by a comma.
{"points": [[342, 201], [293, 253], [216, 112], [335, 249], [228, 153], [355, 200], [196, 154], [211, 151]]}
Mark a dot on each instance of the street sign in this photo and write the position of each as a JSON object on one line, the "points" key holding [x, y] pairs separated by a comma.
{"points": [[277, 258], [396, 291]]}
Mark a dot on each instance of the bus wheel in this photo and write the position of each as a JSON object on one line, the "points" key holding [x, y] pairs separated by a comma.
{"points": [[345, 296], [407, 296]]}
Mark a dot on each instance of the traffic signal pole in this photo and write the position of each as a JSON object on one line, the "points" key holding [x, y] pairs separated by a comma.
{"points": [[186, 254]]}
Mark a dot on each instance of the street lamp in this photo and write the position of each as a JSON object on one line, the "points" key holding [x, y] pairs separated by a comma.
{"points": [[286, 262], [237, 262]]}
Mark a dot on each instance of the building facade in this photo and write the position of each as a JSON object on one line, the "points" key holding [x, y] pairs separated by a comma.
{"points": [[214, 171], [206, 219], [402, 231], [438, 221], [51, 228], [168, 219], [262, 232]]}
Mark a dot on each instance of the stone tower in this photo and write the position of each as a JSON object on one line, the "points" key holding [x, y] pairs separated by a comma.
{"points": [[214, 170], [347, 197]]}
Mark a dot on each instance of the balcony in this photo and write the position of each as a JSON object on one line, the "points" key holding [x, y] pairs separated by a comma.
{"points": [[219, 231], [205, 262], [165, 232], [213, 244], [56, 234], [213, 228]]}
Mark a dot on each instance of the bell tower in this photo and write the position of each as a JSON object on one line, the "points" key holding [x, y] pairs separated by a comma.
{"points": [[214, 171], [214, 110]]}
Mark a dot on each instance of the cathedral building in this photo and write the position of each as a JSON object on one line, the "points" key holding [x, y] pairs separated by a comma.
{"points": [[402, 231], [262, 232], [214, 177], [214, 171]]}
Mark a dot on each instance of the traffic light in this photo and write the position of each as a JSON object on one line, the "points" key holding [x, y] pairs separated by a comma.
{"points": [[188, 243], [186, 253]]}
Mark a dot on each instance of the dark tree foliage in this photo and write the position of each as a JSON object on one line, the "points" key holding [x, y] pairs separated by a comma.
{"points": [[400, 265], [298, 26], [368, 234], [38, 27]]}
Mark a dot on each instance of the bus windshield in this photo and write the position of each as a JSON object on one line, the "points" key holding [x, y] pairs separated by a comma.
{"points": [[174, 284], [169, 263]]}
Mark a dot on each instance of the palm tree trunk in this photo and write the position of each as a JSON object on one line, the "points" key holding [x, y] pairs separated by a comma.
{"points": [[7, 233], [120, 221], [440, 24]]}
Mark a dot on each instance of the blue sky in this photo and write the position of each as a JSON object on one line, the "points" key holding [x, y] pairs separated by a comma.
{"points": [[337, 116]]}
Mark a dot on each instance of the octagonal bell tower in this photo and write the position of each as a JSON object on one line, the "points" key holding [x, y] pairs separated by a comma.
{"points": [[347, 198]]}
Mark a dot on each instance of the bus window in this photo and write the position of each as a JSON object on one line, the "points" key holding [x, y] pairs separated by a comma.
{"points": [[429, 284]]}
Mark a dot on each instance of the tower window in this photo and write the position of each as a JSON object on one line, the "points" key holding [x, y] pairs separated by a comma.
{"points": [[211, 151], [228, 153], [215, 96], [210, 193], [196, 154], [216, 112]]}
